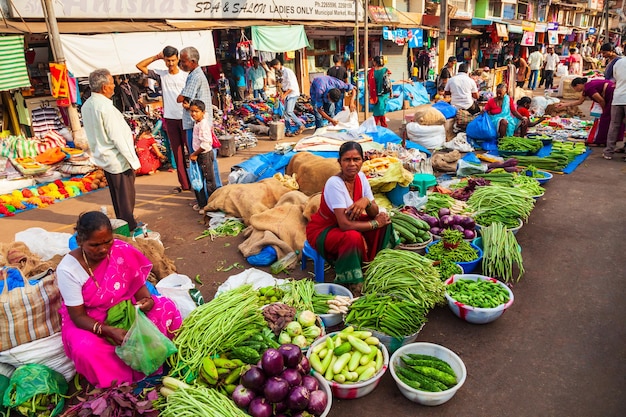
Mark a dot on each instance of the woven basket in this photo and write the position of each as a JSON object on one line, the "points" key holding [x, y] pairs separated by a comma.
{"points": [[416, 247]]}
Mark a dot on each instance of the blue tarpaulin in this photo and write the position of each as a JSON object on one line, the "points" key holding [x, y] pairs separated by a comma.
{"points": [[415, 93]]}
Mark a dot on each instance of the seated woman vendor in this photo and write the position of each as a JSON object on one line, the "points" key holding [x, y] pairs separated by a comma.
{"points": [[505, 117], [349, 228], [98, 276]]}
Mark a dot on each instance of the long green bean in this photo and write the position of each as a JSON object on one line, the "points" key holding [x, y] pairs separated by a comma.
{"points": [[406, 274], [216, 327], [504, 204], [299, 294], [500, 252], [199, 401]]}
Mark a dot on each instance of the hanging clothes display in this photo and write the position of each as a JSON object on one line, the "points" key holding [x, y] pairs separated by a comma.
{"points": [[44, 119]]}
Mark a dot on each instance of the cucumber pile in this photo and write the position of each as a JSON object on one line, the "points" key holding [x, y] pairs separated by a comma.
{"points": [[425, 373], [411, 230]]}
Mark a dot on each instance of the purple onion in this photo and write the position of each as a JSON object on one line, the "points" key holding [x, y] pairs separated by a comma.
{"points": [[310, 383], [298, 398], [276, 389], [292, 376], [317, 402], [273, 362], [291, 355]]}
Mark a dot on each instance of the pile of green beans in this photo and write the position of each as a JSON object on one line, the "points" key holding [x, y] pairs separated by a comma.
{"points": [[480, 293], [462, 253], [216, 327], [199, 401], [503, 204], [299, 294], [447, 268], [500, 252], [529, 184], [387, 314], [406, 274], [516, 143], [437, 201]]}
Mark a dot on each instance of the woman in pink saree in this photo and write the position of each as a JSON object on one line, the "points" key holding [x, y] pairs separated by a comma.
{"points": [[101, 273]]}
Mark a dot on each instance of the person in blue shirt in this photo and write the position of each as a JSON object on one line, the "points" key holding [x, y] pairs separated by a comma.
{"points": [[239, 75], [326, 95]]}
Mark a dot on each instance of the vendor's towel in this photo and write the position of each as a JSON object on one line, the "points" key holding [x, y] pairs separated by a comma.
{"points": [[245, 200], [30, 312], [312, 171]]}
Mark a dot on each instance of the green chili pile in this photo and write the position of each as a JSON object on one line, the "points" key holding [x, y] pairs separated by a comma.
{"points": [[479, 293]]}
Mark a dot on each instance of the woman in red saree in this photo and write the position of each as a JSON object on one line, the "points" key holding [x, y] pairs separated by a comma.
{"points": [[98, 275], [348, 228]]}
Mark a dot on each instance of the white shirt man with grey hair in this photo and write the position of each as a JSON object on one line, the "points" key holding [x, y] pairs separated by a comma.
{"points": [[111, 143]]}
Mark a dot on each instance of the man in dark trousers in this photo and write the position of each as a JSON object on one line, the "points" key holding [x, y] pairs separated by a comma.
{"points": [[338, 70], [326, 94], [111, 143]]}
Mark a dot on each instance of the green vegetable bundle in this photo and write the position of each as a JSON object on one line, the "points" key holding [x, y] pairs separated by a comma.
{"points": [[182, 400], [388, 314], [216, 327], [411, 230], [480, 293], [528, 184], [464, 252], [447, 268], [500, 204], [437, 201], [299, 294], [406, 274], [230, 227], [500, 252], [515, 143]]}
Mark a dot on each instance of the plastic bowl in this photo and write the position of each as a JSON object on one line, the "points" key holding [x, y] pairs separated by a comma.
{"points": [[394, 343], [349, 391], [330, 320], [537, 197], [468, 267], [323, 385], [477, 315], [438, 351], [512, 229], [545, 176]]}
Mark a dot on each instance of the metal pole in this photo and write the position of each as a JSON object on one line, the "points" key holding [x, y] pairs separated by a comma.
{"points": [[356, 48], [366, 47], [57, 52], [606, 20], [443, 33]]}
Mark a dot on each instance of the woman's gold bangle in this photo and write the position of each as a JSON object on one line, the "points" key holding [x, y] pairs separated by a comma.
{"points": [[374, 224], [95, 327]]}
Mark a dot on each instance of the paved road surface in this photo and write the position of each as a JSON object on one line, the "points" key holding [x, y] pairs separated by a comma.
{"points": [[559, 351]]}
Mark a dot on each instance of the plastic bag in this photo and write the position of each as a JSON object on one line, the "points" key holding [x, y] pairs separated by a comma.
{"points": [[347, 121], [459, 143], [43, 243], [195, 176], [145, 348], [266, 257], [482, 129], [176, 287], [412, 198], [32, 380], [465, 168]]}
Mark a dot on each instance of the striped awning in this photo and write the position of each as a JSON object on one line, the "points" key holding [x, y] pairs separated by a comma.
{"points": [[13, 72]]}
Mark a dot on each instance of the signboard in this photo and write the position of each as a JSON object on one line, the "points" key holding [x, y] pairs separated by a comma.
{"points": [[528, 26], [502, 30], [382, 14], [415, 38], [553, 37], [528, 39], [332, 10], [553, 26], [398, 36]]}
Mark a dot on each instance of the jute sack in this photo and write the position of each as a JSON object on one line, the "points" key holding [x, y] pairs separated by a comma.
{"points": [[427, 115], [312, 171], [30, 312], [245, 200]]}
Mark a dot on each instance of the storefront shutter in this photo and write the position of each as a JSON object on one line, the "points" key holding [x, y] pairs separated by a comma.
{"points": [[13, 72], [396, 60]]}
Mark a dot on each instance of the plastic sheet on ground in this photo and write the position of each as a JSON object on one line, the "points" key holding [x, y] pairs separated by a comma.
{"points": [[415, 93]]}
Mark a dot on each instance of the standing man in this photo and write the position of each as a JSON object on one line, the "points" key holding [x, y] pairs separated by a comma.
{"points": [[172, 81], [290, 91], [239, 75], [447, 71], [535, 62], [587, 53], [111, 143], [257, 79], [326, 94], [463, 91], [551, 61], [338, 70], [618, 109], [196, 88]]}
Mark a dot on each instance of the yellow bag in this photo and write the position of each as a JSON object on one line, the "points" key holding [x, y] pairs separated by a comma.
{"points": [[395, 175]]}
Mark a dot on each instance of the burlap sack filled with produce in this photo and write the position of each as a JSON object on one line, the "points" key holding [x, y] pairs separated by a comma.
{"points": [[446, 161], [245, 200], [312, 171], [18, 255], [427, 115], [285, 221]]}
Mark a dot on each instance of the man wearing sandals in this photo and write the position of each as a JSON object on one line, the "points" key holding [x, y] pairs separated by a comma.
{"points": [[618, 109], [172, 81]]}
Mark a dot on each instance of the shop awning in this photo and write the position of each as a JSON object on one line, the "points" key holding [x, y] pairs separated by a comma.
{"points": [[515, 29], [119, 52], [279, 38], [85, 27], [466, 32], [477, 21], [13, 72]]}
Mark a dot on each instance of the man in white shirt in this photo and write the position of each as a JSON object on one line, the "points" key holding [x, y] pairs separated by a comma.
{"points": [[551, 61], [172, 81], [535, 62], [618, 109], [463, 91], [290, 91], [111, 143]]}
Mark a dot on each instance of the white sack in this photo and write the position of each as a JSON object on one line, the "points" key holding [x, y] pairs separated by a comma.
{"points": [[430, 137], [347, 121], [43, 243]]}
